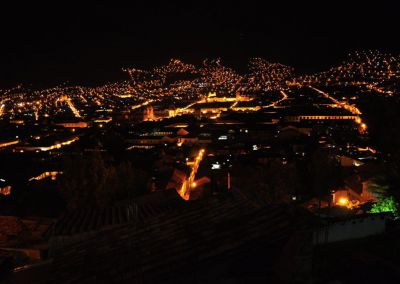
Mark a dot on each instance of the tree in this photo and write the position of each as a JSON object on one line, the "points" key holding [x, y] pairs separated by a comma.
{"points": [[382, 187], [324, 173], [273, 182], [385, 204], [281, 180], [92, 181], [384, 111]]}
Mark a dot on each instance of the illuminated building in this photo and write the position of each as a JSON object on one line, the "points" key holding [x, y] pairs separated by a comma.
{"points": [[148, 113], [53, 175], [78, 124], [6, 190], [299, 118]]}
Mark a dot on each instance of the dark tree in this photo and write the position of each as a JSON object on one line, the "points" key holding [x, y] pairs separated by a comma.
{"points": [[93, 181], [273, 182], [324, 173]]}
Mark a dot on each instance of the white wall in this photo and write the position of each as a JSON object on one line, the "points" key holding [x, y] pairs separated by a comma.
{"points": [[350, 229]]}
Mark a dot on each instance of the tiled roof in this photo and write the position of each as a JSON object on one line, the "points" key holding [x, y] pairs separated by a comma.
{"points": [[95, 219], [175, 247]]}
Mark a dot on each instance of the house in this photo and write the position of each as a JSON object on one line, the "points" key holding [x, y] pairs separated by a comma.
{"points": [[27, 236]]}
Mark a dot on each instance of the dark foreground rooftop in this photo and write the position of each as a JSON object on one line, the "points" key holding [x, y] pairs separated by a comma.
{"points": [[225, 239]]}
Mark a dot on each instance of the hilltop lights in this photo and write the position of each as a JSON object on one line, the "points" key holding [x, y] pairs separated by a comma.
{"points": [[148, 87], [371, 69]]}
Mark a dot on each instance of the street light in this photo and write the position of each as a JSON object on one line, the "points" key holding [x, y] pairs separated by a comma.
{"points": [[343, 201]]}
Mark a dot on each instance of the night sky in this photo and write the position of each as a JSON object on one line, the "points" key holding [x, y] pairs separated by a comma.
{"points": [[44, 45]]}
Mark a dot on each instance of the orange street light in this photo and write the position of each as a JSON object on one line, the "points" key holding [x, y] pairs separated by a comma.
{"points": [[343, 201]]}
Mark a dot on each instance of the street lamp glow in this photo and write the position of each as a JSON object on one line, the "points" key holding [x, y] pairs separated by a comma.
{"points": [[343, 201], [363, 126]]}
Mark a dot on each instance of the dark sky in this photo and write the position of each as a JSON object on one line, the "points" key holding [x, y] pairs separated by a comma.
{"points": [[44, 44]]}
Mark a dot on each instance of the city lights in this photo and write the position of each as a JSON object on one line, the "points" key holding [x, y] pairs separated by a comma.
{"points": [[146, 144]]}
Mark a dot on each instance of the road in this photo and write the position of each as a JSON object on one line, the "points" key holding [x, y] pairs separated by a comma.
{"points": [[2, 107], [275, 103], [73, 108], [189, 184], [70, 105], [351, 108], [145, 103]]}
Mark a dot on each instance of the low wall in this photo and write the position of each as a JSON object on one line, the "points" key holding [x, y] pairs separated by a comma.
{"points": [[352, 228]]}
